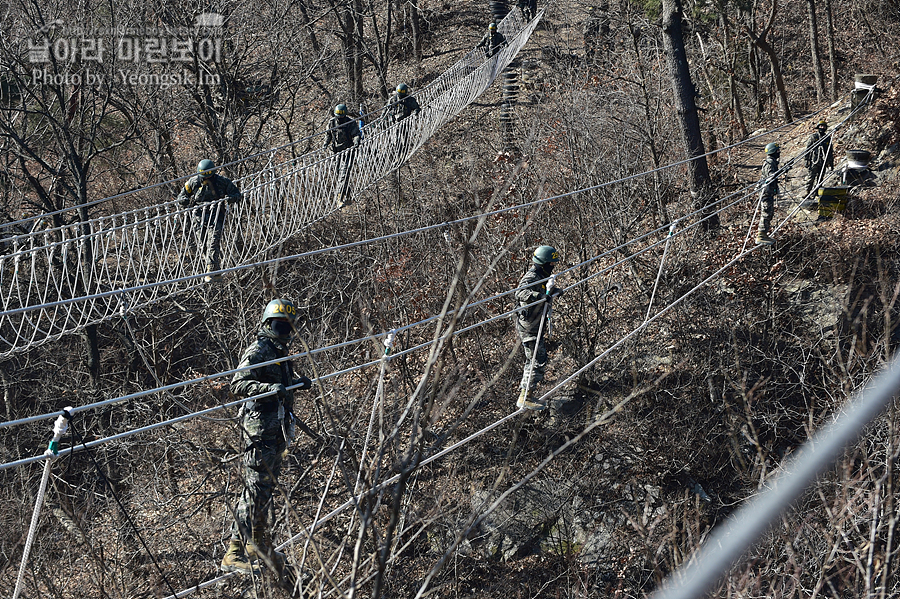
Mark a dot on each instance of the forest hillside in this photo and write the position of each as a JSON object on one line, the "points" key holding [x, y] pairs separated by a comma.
{"points": [[685, 362]]}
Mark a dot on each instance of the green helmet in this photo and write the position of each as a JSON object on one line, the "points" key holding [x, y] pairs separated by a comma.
{"points": [[492, 27], [205, 168], [402, 90], [545, 254], [280, 308], [823, 124], [772, 149], [340, 110]]}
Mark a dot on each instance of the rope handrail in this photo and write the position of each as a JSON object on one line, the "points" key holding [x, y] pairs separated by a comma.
{"points": [[155, 257]]}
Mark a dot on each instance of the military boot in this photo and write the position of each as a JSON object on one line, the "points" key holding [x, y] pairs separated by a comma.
{"points": [[235, 559], [261, 548], [526, 401], [762, 234]]}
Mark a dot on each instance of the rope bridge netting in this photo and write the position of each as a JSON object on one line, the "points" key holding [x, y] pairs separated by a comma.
{"points": [[59, 280]]}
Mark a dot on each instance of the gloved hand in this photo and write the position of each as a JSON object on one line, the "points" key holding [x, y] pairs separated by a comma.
{"points": [[234, 199], [556, 292], [355, 141], [303, 383], [280, 391]]}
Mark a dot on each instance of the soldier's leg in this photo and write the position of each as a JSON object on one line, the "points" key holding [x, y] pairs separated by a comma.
{"points": [[535, 363], [214, 238]]}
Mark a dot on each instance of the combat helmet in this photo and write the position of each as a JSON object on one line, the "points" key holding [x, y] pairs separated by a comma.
{"points": [[205, 168], [823, 124], [773, 149], [492, 27], [280, 309], [340, 110], [402, 89], [545, 254]]}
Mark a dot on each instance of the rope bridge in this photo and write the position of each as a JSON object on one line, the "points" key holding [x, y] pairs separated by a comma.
{"points": [[57, 280]]}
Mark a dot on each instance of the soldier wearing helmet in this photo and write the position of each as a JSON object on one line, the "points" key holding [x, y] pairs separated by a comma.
{"points": [[493, 41], [401, 105], [267, 430], [531, 322], [768, 190], [204, 192], [819, 156], [343, 133]]}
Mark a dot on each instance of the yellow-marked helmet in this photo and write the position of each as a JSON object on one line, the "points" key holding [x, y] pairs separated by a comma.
{"points": [[545, 254], [340, 110], [402, 89], [492, 27], [205, 168], [823, 124], [773, 149], [279, 310]]}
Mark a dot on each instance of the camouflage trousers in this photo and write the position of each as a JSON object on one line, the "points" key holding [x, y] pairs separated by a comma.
{"points": [[767, 211], [535, 363], [208, 221], [815, 173], [263, 445]]}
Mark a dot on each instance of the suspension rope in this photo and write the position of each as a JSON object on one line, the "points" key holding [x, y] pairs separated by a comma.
{"points": [[59, 429], [167, 388]]}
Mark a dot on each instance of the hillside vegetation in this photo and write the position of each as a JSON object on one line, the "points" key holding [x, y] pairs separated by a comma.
{"points": [[646, 451]]}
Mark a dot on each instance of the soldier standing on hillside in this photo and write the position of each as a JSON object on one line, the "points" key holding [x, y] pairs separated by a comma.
{"points": [[769, 189], [493, 41], [202, 193], [532, 321], [819, 156], [343, 133], [267, 427]]}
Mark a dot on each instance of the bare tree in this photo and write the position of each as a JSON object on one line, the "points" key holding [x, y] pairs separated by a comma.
{"points": [[684, 93], [814, 50], [760, 41]]}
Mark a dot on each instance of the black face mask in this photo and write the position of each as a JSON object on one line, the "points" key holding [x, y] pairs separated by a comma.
{"points": [[282, 328]]}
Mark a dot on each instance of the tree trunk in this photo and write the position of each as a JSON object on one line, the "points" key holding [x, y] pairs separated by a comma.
{"points": [[416, 30], [684, 92], [814, 48], [832, 61], [759, 40]]}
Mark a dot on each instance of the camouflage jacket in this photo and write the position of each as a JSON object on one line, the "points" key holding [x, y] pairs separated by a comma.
{"points": [[819, 150], [528, 320], [769, 168], [492, 42], [343, 133], [259, 380], [400, 108], [198, 191]]}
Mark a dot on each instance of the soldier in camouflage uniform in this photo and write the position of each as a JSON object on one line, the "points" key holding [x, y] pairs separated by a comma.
{"points": [[768, 191], [493, 41], [401, 105], [203, 192], [343, 133], [819, 156], [533, 288], [267, 426]]}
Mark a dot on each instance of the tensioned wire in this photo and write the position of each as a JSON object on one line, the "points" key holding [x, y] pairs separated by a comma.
{"points": [[403, 328], [395, 235], [499, 422], [320, 521], [400, 329], [421, 229], [644, 325]]}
